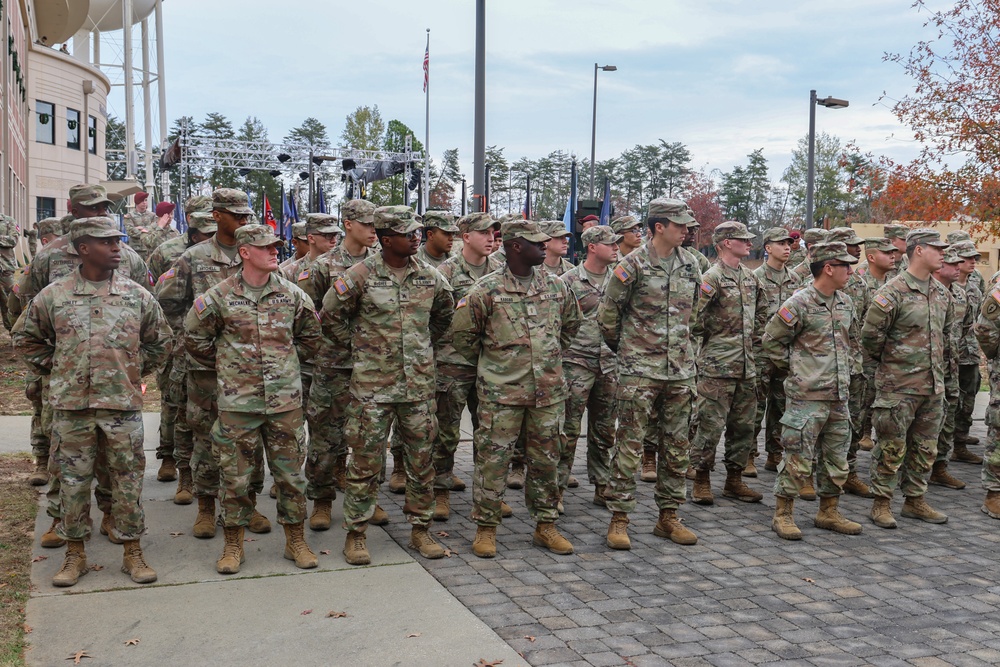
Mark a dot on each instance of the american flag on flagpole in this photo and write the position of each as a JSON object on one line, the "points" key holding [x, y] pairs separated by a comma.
{"points": [[427, 63]]}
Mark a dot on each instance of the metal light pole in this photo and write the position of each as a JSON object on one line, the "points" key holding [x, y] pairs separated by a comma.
{"points": [[829, 103], [593, 129], [479, 144]]}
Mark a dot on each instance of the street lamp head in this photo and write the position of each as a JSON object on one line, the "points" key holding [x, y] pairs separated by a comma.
{"points": [[609, 68], [833, 103], [284, 157], [243, 171], [274, 173]]}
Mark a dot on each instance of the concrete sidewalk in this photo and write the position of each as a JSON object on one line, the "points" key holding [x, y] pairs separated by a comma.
{"points": [[397, 613]]}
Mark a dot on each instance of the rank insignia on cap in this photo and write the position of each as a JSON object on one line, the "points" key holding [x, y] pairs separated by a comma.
{"points": [[462, 303], [621, 274], [786, 315], [304, 275], [341, 286], [882, 302], [707, 289]]}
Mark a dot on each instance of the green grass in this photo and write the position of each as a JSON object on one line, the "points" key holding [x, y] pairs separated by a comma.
{"points": [[18, 506]]}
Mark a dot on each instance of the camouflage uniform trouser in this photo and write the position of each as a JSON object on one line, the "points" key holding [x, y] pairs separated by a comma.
{"points": [[644, 404], [41, 415], [594, 392], [730, 405], [946, 439], [907, 427], [79, 439], [177, 395], [241, 441], [855, 403], [969, 381], [770, 409], [366, 433], [456, 389], [817, 431], [7, 268], [326, 412], [867, 398], [168, 412], [991, 456], [500, 427]]}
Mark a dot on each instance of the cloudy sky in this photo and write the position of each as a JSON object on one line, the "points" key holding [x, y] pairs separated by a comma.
{"points": [[724, 77]]}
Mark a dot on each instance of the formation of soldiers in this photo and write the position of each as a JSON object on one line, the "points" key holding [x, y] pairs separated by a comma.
{"points": [[369, 342]]}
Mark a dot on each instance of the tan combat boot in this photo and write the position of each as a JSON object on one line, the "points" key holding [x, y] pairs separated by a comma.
{"points": [[232, 551], [296, 548], [701, 492], [917, 508], [515, 479], [442, 504], [783, 522], [599, 498], [40, 475], [380, 517], [107, 528], [456, 483], [204, 523], [548, 536], [184, 495], [648, 470], [991, 506], [74, 565], [941, 477], [773, 459], [830, 518], [167, 471], [966, 439], [866, 444], [397, 480], [340, 473], [750, 470], [421, 540], [134, 564], [355, 550], [618, 532], [559, 505], [273, 491], [961, 454], [736, 488], [485, 543], [259, 523], [856, 487], [506, 511], [670, 527], [320, 518], [573, 482], [882, 513], [51, 539], [808, 491]]}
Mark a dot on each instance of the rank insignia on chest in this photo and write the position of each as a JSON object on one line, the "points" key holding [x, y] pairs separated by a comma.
{"points": [[786, 315], [341, 286], [621, 274], [304, 275], [882, 302], [462, 303], [707, 289]]}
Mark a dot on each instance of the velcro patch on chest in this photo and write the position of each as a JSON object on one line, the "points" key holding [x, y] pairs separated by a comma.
{"points": [[381, 283], [423, 282], [882, 302], [503, 299]]}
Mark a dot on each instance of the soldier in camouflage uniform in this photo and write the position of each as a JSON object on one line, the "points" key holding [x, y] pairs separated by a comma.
{"points": [[778, 283], [969, 376], [629, 228], [139, 222], [389, 311], [798, 251], [163, 229], [96, 397], [896, 233], [10, 232], [727, 330], [515, 325], [987, 331], [439, 232], [808, 338], [197, 270], [300, 240], [880, 268], [810, 237], [645, 317], [907, 335], [326, 460], [456, 377], [175, 434], [253, 328], [556, 247]]}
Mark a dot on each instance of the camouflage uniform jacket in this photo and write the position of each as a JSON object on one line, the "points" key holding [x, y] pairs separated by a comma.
{"points": [[289, 268], [516, 336], [730, 321], [199, 268], [808, 340], [904, 336], [987, 326], [133, 221], [254, 346], [968, 348], [423, 255], [564, 267], [317, 284], [961, 330], [588, 348], [857, 289], [390, 326], [797, 256], [459, 274], [156, 237], [704, 263], [94, 343], [647, 312], [300, 273], [59, 259], [10, 232], [777, 285], [802, 272], [168, 252]]}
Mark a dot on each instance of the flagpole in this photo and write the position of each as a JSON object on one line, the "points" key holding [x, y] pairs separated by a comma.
{"points": [[427, 123]]}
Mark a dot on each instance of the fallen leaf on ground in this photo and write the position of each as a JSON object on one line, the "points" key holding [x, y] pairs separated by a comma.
{"points": [[27, 629], [38, 559], [413, 634], [325, 552], [483, 662], [336, 614], [250, 539], [78, 656], [176, 534], [449, 553], [306, 612], [131, 642], [441, 533], [808, 580], [96, 568], [530, 638]]}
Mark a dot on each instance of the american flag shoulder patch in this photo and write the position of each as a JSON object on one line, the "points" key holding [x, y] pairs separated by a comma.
{"points": [[882, 302], [201, 303], [304, 275], [707, 289], [621, 273], [341, 286], [462, 303], [167, 275], [996, 295], [786, 315]]}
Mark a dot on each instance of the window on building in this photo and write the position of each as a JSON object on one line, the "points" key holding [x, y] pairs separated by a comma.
{"points": [[45, 122], [46, 207], [73, 129], [92, 134]]}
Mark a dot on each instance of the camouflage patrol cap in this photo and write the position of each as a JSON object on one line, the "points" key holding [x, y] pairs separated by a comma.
{"points": [[49, 226], [814, 235], [202, 221], [879, 243], [602, 234], [831, 250], [895, 231], [399, 219], [88, 195], [256, 235], [198, 203], [966, 249], [951, 256], [510, 217], [957, 236], [231, 200], [924, 236], [99, 227], [730, 229], [322, 223], [776, 234], [477, 222], [554, 229], [625, 223], [673, 210], [845, 235], [523, 229], [299, 231], [439, 219], [361, 210]]}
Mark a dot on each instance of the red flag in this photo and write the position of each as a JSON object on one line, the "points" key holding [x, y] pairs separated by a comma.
{"points": [[269, 215]]}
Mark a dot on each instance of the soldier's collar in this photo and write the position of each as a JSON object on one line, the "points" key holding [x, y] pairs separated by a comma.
{"points": [[512, 283], [85, 287], [221, 257], [383, 270]]}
